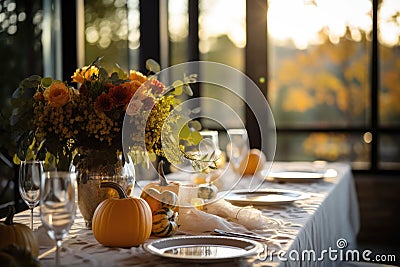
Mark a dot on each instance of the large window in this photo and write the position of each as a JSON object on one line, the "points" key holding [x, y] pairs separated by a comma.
{"points": [[329, 69], [319, 60], [334, 80]]}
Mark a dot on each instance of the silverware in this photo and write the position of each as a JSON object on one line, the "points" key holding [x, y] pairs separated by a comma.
{"points": [[255, 237]]}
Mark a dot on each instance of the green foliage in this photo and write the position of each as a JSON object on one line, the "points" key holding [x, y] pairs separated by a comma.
{"points": [[152, 66]]}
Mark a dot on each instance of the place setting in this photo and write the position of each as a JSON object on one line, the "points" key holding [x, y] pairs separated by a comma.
{"points": [[301, 174], [204, 248], [263, 197]]}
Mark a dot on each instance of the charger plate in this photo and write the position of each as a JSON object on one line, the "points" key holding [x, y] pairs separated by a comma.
{"points": [[265, 197], [203, 248], [299, 176]]}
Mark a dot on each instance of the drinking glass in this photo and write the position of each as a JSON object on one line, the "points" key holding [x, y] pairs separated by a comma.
{"points": [[57, 206], [238, 146], [30, 173], [209, 146]]}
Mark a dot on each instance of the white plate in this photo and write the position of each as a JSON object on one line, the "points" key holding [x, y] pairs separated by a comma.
{"points": [[203, 248], [299, 176], [264, 197]]}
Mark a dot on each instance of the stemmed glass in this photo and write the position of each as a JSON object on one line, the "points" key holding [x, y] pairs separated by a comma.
{"points": [[30, 173], [238, 146], [57, 206], [209, 146]]}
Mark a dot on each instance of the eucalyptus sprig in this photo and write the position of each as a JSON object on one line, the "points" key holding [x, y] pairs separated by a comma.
{"points": [[202, 163]]}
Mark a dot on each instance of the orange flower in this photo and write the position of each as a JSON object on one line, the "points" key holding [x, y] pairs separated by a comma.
{"points": [[57, 94], [121, 95], [137, 76], [85, 74], [103, 102], [132, 86]]}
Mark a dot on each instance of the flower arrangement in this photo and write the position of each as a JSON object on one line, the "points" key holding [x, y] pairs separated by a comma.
{"points": [[56, 122]]}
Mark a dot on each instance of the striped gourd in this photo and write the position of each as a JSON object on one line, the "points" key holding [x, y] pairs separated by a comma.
{"points": [[164, 222]]}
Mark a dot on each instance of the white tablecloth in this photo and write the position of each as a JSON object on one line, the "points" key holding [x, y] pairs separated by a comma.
{"points": [[303, 230]]}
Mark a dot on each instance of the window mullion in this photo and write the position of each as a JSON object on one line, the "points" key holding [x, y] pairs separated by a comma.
{"points": [[149, 32], [256, 59], [374, 78]]}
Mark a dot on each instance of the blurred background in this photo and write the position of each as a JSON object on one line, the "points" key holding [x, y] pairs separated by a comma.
{"points": [[330, 70]]}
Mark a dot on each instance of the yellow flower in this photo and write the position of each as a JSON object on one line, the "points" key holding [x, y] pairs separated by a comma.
{"points": [[56, 94], [85, 74]]}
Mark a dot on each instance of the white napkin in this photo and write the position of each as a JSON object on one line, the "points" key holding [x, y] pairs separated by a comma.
{"points": [[194, 221], [250, 217], [225, 216]]}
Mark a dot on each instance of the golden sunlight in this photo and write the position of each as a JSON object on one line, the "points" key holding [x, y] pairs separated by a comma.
{"points": [[222, 17], [307, 22]]}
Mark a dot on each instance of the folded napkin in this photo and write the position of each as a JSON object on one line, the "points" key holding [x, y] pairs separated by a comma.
{"points": [[194, 221], [225, 216]]}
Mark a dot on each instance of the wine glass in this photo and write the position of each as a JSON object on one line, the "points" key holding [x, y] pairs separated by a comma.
{"points": [[238, 146], [30, 173], [57, 205], [209, 146]]}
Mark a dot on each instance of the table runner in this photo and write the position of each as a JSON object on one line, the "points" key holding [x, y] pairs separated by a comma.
{"points": [[315, 224]]}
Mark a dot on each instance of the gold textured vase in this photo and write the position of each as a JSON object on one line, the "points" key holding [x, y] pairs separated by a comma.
{"points": [[92, 170]]}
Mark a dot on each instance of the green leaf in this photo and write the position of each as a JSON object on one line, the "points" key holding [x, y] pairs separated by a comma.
{"points": [[152, 65], [196, 137], [121, 73], [195, 125], [178, 85], [115, 77], [96, 61], [185, 132], [203, 158], [176, 102], [30, 82], [103, 74], [46, 82], [187, 90], [212, 156], [16, 159]]}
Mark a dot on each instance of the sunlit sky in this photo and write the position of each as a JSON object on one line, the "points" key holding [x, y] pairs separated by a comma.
{"points": [[216, 18], [301, 24]]}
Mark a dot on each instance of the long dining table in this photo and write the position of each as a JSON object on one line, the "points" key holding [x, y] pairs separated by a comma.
{"points": [[310, 231]]}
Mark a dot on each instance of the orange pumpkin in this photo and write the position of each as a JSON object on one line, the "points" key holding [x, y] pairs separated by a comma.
{"points": [[161, 186], [123, 222], [158, 200], [252, 163], [17, 234]]}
